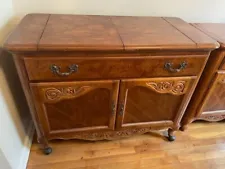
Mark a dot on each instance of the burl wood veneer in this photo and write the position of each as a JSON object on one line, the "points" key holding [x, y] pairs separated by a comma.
{"points": [[104, 77], [208, 102]]}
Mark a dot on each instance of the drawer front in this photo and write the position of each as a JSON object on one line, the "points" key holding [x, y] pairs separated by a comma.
{"points": [[69, 68]]}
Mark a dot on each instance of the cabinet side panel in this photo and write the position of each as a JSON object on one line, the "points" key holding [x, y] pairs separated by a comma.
{"points": [[25, 85], [215, 99]]}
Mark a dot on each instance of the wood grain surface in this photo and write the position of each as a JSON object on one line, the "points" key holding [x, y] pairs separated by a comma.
{"points": [[223, 63], [112, 67], [67, 100], [80, 32], [201, 147], [27, 34], [198, 37], [207, 103], [58, 32], [70, 107], [214, 30], [215, 97], [160, 33], [142, 98]]}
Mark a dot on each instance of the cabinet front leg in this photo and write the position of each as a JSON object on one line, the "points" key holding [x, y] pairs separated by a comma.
{"points": [[44, 145], [171, 136], [183, 128], [185, 123]]}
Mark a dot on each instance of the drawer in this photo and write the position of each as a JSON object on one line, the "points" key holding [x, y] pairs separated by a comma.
{"points": [[69, 68]]}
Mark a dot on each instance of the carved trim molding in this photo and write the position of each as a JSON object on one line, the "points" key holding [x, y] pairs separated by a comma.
{"points": [[111, 135], [56, 94], [172, 87], [212, 118]]}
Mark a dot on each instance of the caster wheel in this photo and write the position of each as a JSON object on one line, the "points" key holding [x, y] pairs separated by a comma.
{"points": [[47, 150], [171, 138]]}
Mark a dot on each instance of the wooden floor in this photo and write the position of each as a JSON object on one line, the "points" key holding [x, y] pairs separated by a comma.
{"points": [[201, 147]]}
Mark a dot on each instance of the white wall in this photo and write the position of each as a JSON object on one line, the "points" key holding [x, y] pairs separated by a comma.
{"points": [[189, 10], [6, 13], [14, 115], [3, 161]]}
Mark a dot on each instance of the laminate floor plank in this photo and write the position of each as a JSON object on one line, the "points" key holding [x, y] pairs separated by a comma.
{"points": [[202, 146]]}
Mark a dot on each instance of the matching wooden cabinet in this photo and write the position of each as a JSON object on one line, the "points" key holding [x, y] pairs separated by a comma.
{"points": [[208, 101], [214, 100], [104, 77]]}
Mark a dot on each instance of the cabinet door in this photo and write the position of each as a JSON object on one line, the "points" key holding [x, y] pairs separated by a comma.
{"points": [[68, 107], [214, 101], [153, 102]]}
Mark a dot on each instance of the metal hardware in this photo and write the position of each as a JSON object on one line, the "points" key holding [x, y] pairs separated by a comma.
{"points": [[56, 70], [168, 66], [113, 108], [121, 109]]}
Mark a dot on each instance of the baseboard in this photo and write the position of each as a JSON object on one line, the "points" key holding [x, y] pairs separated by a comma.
{"points": [[27, 145]]}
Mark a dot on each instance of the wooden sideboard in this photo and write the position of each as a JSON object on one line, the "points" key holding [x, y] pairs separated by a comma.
{"points": [[208, 101], [105, 77]]}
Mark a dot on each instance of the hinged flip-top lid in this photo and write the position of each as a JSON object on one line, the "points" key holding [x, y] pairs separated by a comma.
{"points": [[56, 32], [214, 30], [160, 33]]}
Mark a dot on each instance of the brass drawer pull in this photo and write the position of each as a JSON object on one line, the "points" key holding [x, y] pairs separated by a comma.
{"points": [[168, 66], [113, 109], [121, 111], [56, 70]]}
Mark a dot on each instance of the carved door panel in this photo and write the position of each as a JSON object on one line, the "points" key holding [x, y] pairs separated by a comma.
{"points": [[214, 101], [153, 102], [69, 107]]}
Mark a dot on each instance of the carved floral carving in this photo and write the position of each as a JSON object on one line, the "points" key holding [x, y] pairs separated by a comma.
{"points": [[53, 94], [110, 135], [172, 87], [212, 118]]}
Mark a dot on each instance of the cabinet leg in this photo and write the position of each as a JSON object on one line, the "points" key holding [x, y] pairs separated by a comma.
{"points": [[171, 136], [183, 128], [44, 145]]}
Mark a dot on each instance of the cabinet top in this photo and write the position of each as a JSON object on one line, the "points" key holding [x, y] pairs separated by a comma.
{"points": [[214, 30], [52, 32]]}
